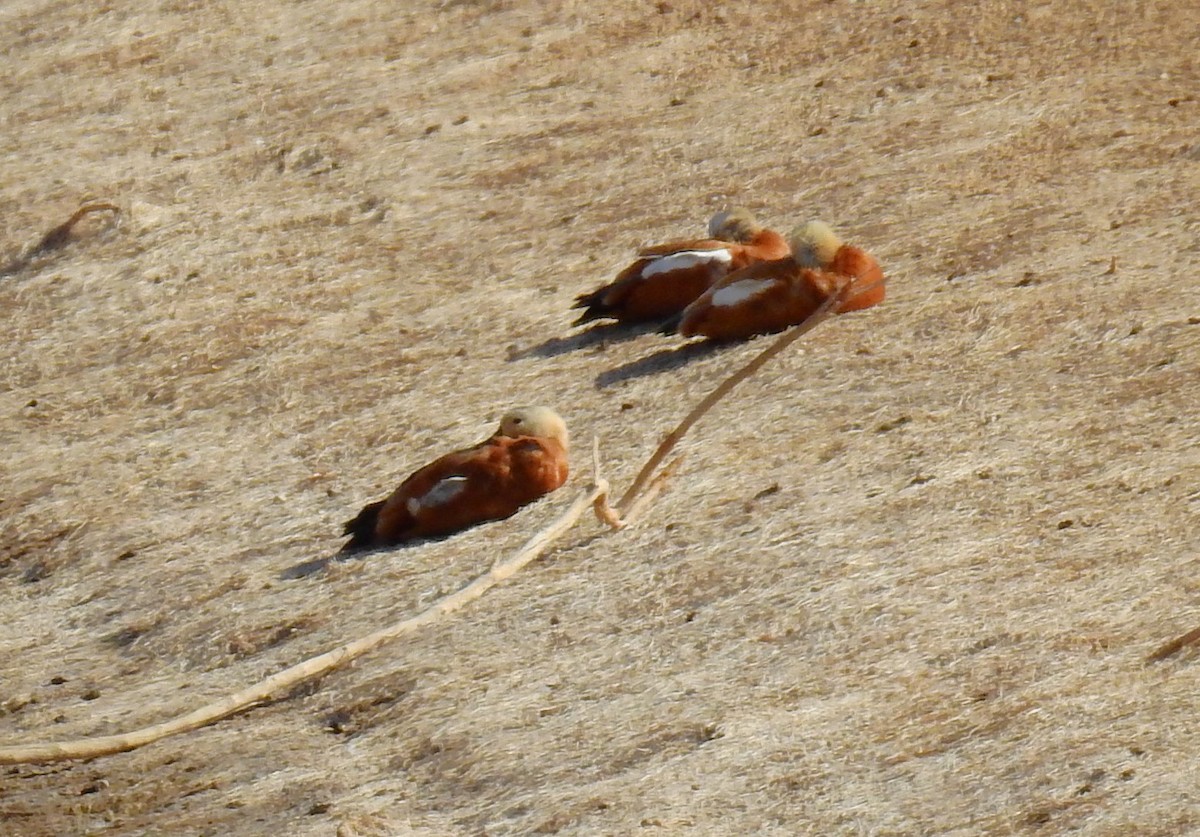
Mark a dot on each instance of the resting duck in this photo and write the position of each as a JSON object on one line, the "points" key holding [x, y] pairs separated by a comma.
{"points": [[666, 278], [771, 296], [821, 248], [525, 459]]}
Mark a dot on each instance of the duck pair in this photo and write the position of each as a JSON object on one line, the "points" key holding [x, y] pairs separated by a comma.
{"points": [[741, 281]]}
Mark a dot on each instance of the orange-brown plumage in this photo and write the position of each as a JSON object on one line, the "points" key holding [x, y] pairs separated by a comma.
{"points": [[666, 278], [772, 296], [525, 459], [818, 246], [761, 299]]}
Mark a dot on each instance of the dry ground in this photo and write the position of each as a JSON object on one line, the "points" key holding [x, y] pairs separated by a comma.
{"points": [[909, 575]]}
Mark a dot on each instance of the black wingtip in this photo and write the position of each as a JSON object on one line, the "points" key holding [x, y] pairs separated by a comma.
{"points": [[588, 316], [670, 326]]}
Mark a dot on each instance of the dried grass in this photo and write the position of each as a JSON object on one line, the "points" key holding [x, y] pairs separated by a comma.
{"points": [[907, 584]]}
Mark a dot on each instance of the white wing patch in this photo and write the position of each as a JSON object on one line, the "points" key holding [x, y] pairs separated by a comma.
{"points": [[443, 491], [739, 291], [685, 259]]}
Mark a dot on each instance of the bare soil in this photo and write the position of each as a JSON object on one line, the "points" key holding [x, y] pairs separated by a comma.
{"points": [[909, 574]]}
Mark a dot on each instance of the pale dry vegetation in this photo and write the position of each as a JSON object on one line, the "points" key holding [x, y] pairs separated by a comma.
{"points": [[908, 576]]}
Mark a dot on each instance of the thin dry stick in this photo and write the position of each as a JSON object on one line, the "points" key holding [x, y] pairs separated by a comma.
{"points": [[652, 490], [82, 748], [626, 503], [57, 237], [600, 505], [1190, 638]]}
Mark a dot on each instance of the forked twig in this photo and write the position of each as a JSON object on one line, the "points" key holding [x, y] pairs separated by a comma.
{"points": [[82, 748], [609, 515]]}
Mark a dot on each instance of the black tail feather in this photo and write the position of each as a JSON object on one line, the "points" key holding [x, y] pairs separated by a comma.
{"points": [[594, 309], [362, 528]]}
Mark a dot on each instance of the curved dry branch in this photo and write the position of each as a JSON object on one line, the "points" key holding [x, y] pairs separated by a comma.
{"points": [[83, 748]]}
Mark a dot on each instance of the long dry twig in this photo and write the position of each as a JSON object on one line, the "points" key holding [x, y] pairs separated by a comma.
{"points": [[82, 748]]}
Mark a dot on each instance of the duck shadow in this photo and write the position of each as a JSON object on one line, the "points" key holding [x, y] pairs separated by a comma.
{"points": [[315, 565], [663, 360], [597, 336]]}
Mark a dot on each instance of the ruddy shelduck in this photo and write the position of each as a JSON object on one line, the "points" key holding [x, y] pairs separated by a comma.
{"points": [[526, 458], [666, 278], [771, 296], [820, 247]]}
